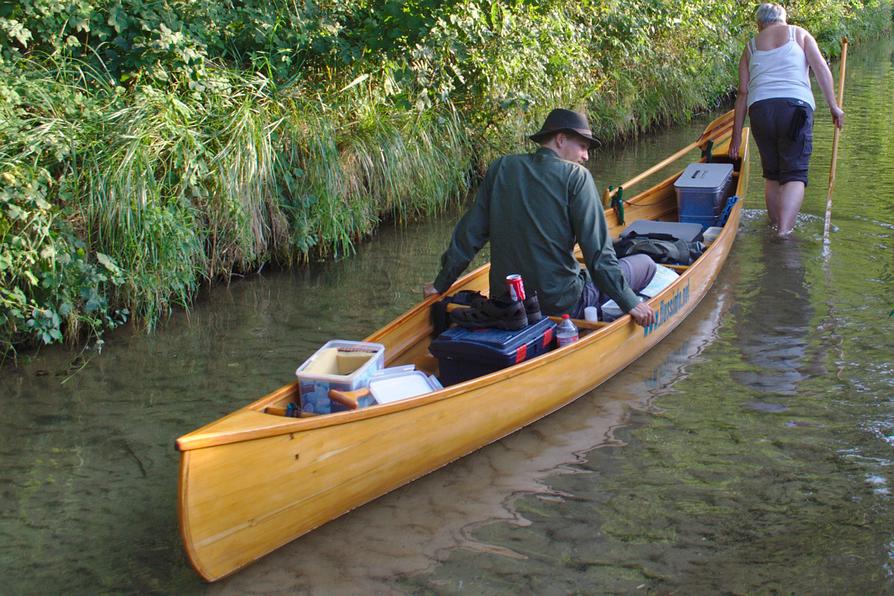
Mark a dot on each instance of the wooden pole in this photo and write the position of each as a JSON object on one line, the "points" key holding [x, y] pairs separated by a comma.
{"points": [[836, 135], [717, 130]]}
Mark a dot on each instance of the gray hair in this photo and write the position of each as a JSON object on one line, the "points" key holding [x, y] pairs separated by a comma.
{"points": [[769, 13]]}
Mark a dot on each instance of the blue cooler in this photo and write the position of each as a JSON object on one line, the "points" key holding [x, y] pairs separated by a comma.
{"points": [[468, 353], [702, 189]]}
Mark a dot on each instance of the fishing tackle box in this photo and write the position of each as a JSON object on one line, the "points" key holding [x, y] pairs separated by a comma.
{"points": [[701, 190], [464, 354]]}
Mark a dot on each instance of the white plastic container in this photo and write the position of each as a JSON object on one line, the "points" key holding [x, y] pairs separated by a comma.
{"points": [[339, 364], [403, 385], [710, 235]]}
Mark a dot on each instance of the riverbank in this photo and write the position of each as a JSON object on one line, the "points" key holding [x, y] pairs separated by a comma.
{"points": [[143, 153]]}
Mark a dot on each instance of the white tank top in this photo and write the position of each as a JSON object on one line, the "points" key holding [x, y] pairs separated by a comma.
{"points": [[779, 73]]}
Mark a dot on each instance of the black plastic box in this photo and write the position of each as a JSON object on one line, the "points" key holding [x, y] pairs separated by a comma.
{"points": [[464, 354], [690, 232]]}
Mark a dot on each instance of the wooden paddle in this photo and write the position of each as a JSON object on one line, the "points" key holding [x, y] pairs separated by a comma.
{"points": [[720, 128], [835, 137]]}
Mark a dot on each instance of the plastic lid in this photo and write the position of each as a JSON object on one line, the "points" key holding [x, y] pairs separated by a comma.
{"points": [[566, 316], [389, 388]]}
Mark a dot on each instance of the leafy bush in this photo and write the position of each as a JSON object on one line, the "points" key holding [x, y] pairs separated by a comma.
{"points": [[146, 146], [48, 284]]}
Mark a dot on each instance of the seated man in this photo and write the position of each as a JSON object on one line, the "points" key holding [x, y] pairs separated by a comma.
{"points": [[533, 208]]}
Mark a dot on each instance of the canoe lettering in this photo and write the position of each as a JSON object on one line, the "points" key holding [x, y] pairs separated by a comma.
{"points": [[668, 308]]}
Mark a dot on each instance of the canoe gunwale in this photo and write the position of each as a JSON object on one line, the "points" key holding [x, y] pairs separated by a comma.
{"points": [[258, 520], [272, 425]]}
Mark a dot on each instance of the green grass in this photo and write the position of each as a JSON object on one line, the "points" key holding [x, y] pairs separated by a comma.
{"points": [[131, 195]]}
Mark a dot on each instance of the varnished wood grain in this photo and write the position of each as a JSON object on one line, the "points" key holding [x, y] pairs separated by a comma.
{"points": [[253, 481]]}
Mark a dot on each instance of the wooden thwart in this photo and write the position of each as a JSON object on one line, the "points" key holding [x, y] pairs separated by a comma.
{"points": [[583, 323]]}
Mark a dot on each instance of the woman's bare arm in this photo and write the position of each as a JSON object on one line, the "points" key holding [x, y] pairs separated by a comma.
{"points": [[823, 76], [741, 105]]}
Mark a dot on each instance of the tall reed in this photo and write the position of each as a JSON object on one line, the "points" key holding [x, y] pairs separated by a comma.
{"points": [[179, 189]]}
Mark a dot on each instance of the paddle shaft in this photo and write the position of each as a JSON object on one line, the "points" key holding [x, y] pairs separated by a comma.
{"points": [[841, 73], [722, 124]]}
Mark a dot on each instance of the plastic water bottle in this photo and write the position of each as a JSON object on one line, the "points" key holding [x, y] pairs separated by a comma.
{"points": [[566, 332]]}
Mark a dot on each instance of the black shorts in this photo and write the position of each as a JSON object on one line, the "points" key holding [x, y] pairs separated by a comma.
{"points": [[783, 130]]}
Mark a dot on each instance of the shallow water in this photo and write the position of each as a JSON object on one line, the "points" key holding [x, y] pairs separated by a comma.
{"points": [[749, 452]]}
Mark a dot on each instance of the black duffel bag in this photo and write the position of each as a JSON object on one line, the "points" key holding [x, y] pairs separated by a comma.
{"points": [[663, 248]]}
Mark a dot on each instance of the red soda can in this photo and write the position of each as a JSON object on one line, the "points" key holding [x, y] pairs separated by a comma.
{"points": [[515, 286]]}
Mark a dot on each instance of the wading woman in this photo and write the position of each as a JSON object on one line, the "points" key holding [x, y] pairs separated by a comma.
{"points": [[774, 86]]}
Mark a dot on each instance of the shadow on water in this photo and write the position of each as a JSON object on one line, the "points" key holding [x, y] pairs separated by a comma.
{"points": [[774, 327]]}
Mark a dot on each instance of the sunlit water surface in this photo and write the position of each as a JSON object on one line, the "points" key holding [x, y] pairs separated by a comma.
{"points": [[750, 452]]}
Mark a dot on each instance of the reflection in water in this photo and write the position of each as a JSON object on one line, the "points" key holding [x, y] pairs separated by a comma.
{"points": [[773, 333], [442, 512]]}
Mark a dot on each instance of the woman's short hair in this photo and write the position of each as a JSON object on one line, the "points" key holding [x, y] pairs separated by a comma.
{"points": [[768, 13]]}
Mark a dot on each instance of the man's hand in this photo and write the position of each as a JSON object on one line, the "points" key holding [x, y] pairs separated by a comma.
{"points": [[642, 314], [428, 289]]}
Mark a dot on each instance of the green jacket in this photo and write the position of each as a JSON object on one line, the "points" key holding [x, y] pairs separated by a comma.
{"points": [[533, 208]]}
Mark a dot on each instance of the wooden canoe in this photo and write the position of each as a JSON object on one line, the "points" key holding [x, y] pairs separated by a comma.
{"points": [[254, 481]]}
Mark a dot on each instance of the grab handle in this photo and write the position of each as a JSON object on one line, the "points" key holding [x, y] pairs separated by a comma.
{"points": [[349, 399]]}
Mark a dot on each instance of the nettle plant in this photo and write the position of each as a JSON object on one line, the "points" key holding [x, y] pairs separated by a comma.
{"points": [[50, 286]]}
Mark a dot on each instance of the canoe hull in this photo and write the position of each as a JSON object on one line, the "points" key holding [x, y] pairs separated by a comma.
{"points": [[253, 482]]}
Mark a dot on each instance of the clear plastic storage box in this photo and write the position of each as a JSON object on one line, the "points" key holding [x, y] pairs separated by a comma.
{"points": [[339, 364]]}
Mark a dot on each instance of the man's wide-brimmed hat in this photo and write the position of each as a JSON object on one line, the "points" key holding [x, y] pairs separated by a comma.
{"points": [[560, 120]]}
